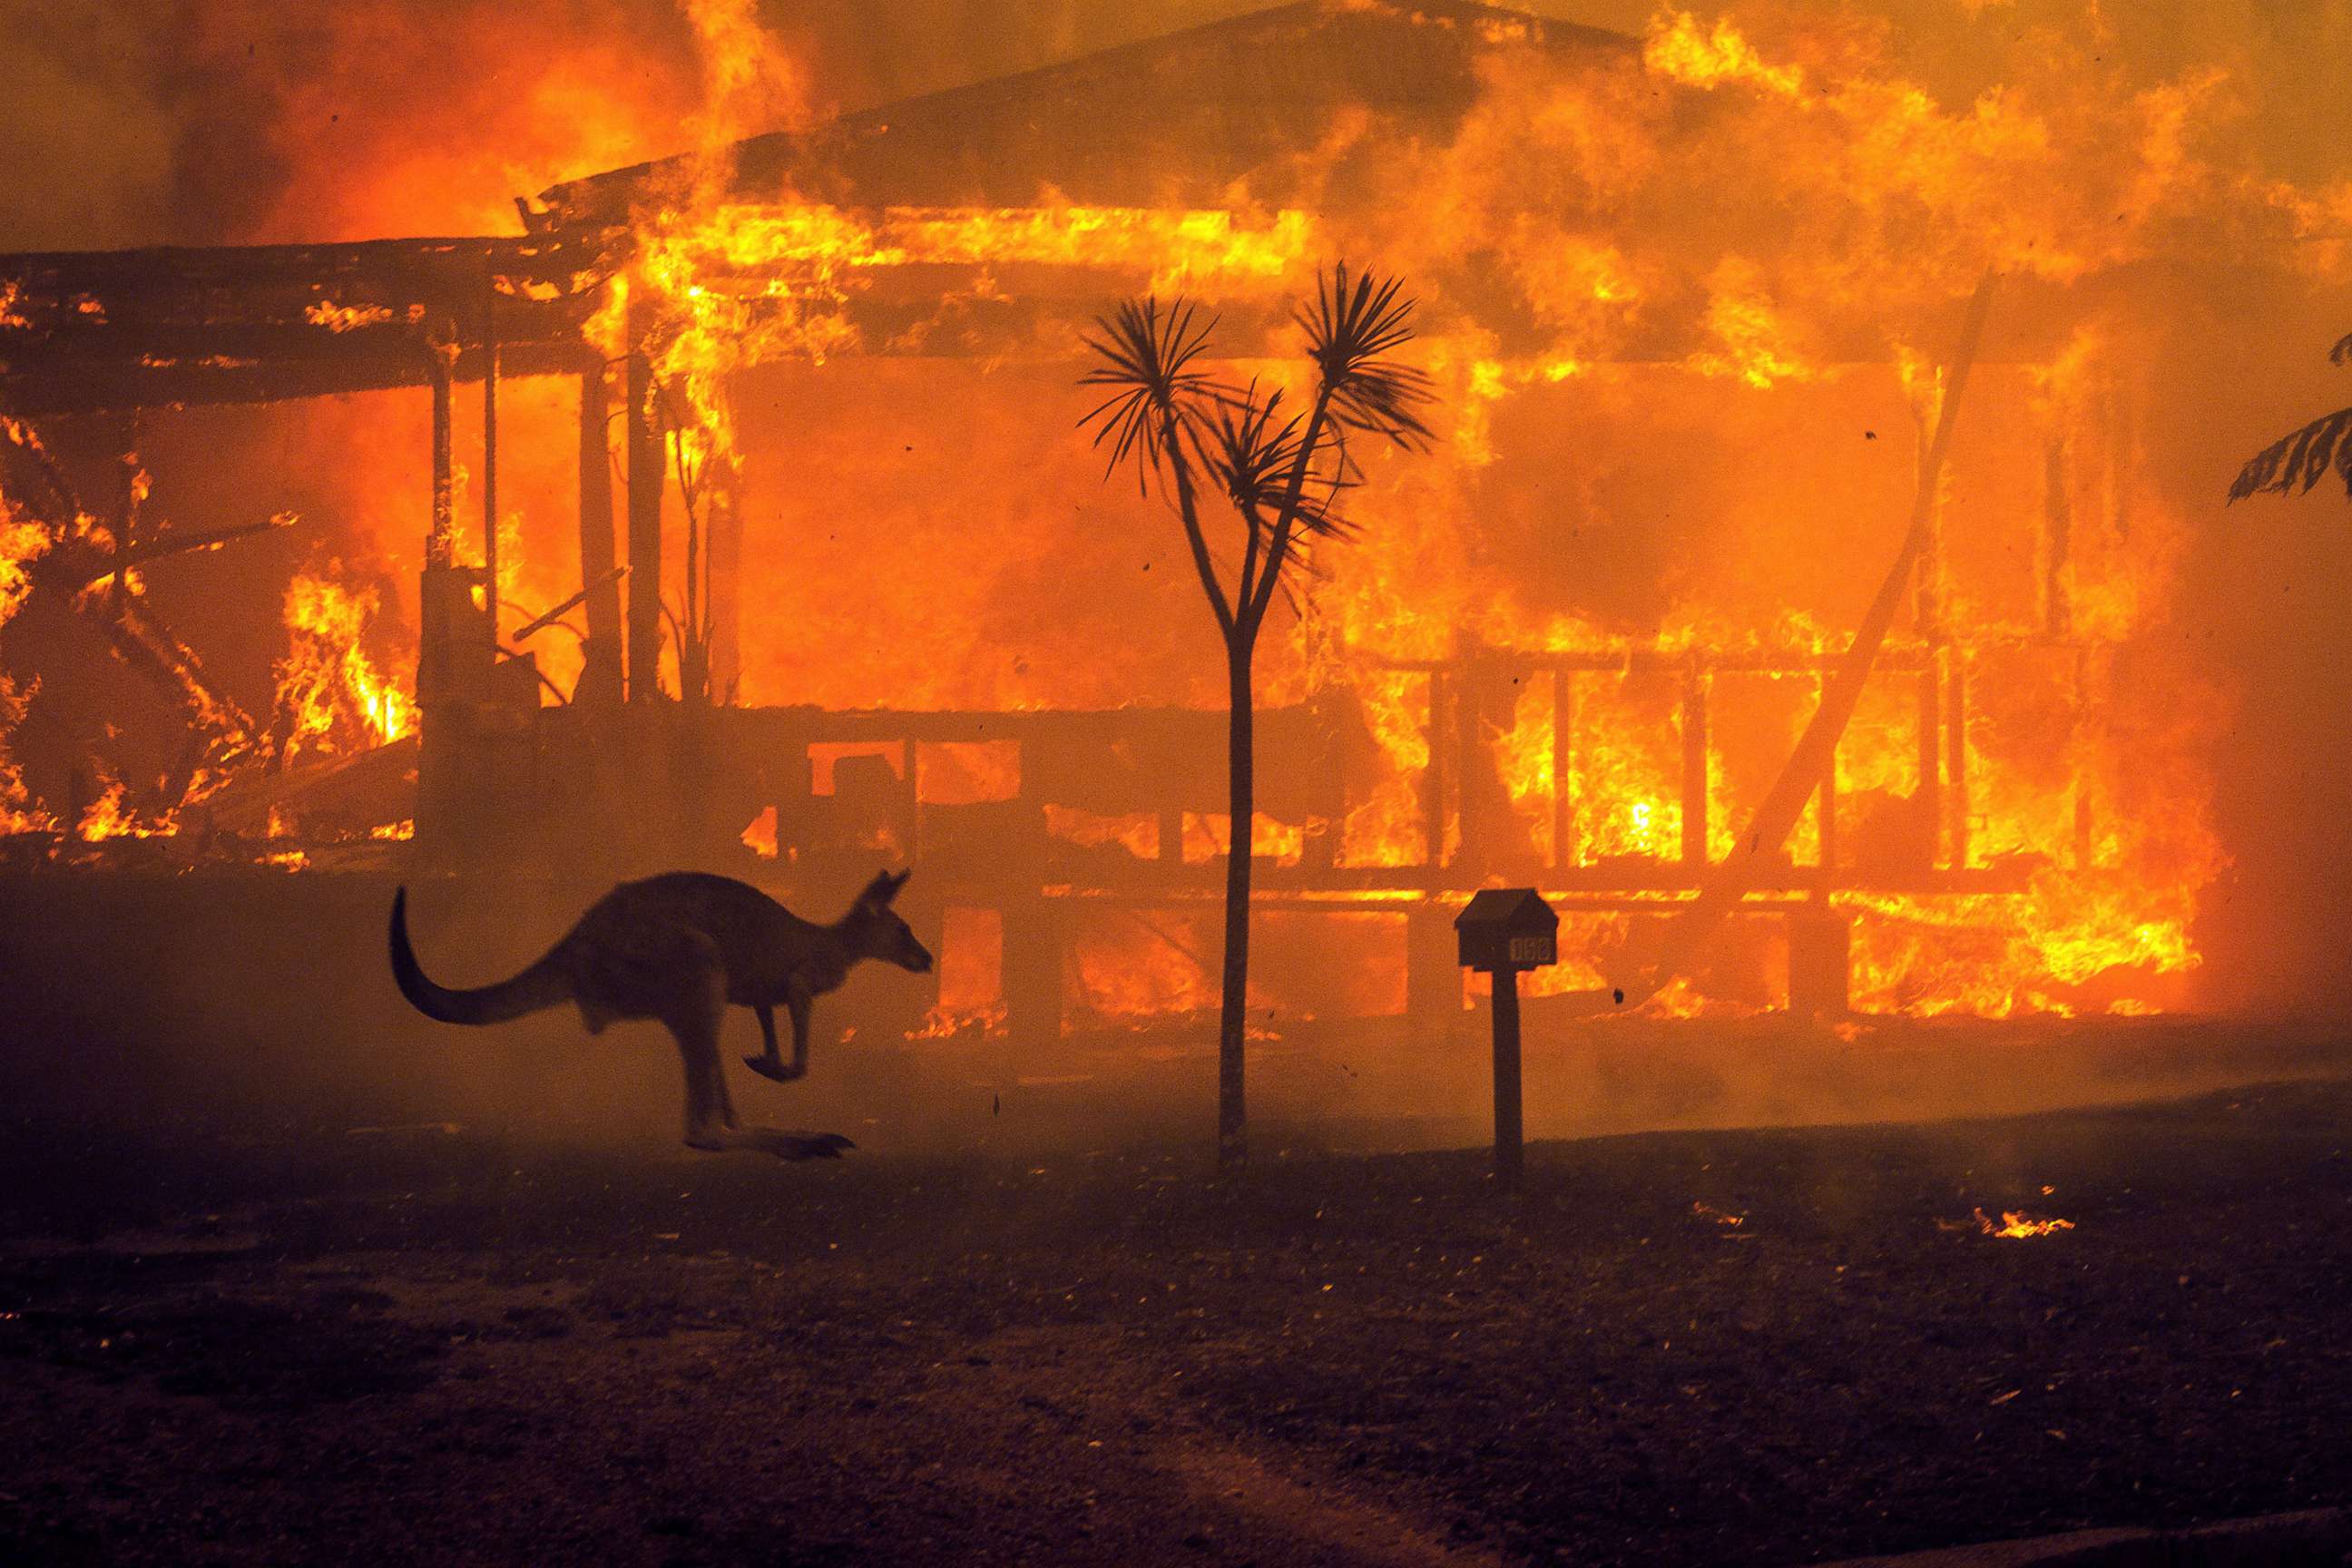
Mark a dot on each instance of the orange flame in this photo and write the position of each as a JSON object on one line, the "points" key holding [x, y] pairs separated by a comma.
{"points": [[2019, 1226], [330, 693]]}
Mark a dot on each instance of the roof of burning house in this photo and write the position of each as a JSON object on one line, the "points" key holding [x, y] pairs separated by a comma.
{"points": [[1290, 107], [1209, 116], [150, 328], [1188, 119]]}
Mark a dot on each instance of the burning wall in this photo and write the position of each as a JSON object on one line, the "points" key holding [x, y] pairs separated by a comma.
{"points": [[1685, 380]]}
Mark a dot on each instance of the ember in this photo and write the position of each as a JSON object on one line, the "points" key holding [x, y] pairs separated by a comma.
{"points": [[2020, 1226]]}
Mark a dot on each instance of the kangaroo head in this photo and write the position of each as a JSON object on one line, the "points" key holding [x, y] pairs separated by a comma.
{"points": [[876, 931]]}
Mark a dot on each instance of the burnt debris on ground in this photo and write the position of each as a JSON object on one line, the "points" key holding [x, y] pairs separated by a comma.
{"points": [[425, 1345]]}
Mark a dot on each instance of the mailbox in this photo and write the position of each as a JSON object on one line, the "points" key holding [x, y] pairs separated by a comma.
{"points": [[1507, 928], [1504, 931]]}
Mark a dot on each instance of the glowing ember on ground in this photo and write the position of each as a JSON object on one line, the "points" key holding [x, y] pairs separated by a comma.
{"points": [[2018, 1225]]}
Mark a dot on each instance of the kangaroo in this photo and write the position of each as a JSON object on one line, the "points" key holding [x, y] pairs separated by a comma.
{"points": [[679, 948]]}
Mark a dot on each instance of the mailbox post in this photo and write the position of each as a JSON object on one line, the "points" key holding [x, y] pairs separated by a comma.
{"points": [[1504, 931]]}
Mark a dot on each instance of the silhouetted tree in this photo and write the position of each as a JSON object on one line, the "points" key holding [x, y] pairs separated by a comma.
{"points": [[1280, 471], [2296, 462]]}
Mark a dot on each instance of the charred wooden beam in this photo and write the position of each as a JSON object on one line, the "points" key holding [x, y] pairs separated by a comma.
{"points": [[644, 474], [147, 328], [723, 578], [83, 386], [441, 533], [490, 452], [173, 542], [547, 617], [25, 452], [600, 675], [84, 551], [146, 645]]}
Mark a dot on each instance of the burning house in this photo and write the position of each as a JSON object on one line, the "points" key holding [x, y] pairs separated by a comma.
{"points": [[736, 512]]}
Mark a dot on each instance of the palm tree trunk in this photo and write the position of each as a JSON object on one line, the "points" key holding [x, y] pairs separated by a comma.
{"points": [[1240, 798]]}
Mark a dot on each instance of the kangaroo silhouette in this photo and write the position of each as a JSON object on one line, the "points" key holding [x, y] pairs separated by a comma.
{"points": [[680, 948]]}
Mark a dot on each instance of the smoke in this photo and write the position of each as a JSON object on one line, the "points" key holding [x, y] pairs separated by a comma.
{"points": [[241, 121], [204, 121], [237, 121]]}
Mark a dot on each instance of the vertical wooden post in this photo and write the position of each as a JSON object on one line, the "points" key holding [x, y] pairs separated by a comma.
{"points": [[645, 457], [1694, 769], [440, 602], [601, 678], [490, 456], [1510, 1155], [440, 538], [723, 573]]}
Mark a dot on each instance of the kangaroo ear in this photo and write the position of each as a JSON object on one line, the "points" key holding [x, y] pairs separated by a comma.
{"points": [[882, 889]]}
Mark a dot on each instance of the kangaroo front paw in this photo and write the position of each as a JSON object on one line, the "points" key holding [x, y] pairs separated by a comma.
{"points": [[769, 1067]]}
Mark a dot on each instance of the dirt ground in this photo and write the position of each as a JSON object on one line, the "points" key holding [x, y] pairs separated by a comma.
{"points": [[418, 1344]]}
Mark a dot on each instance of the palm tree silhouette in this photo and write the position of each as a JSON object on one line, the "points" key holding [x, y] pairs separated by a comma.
{"points": [[1280, 471], [2297, 461]]}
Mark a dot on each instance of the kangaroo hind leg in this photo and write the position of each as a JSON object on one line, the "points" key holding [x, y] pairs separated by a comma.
{"points": [[710, 1112]]}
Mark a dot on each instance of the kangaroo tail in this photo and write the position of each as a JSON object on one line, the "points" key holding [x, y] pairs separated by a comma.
{"points": [[540, 985]]}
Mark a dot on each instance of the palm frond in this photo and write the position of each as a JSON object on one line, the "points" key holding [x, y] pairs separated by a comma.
{"points": [[1350, 329], [1149, 358], [2294, 463], [1253, 447]]}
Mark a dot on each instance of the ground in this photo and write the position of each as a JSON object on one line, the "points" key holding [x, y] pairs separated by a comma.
{"points": [[425, 1345]]}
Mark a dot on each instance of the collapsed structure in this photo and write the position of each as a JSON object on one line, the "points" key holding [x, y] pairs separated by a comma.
{"points": [[1473, 691]]}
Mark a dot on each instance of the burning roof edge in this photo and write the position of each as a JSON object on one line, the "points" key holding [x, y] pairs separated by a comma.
{"points": [[1174, 120]]}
